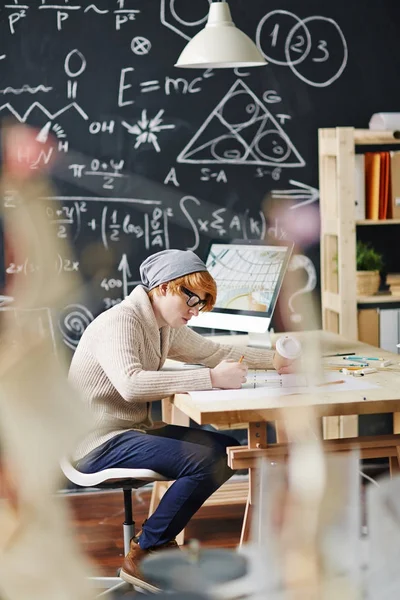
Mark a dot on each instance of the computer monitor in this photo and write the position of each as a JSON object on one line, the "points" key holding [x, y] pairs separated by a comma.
{"points": [[249, 275]]}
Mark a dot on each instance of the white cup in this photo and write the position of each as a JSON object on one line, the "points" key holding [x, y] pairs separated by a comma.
{"points": [[287, 348]]}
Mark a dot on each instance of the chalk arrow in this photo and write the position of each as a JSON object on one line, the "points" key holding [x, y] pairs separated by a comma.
{"points": [[143, 122], [126, 272], [306, 193], [43, 134]]}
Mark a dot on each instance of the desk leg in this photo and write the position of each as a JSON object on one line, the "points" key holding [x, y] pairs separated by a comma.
{"points": [[394, 466], [248, 513], [173, 416], [394, 462], [257, 437]]}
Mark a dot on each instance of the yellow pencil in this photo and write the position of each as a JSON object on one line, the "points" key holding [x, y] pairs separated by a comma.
{"points": [[330, 383], [241, 358], [339, 368]]}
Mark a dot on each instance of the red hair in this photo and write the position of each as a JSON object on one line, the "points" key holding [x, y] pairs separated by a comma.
{"points": [[201, 280]]}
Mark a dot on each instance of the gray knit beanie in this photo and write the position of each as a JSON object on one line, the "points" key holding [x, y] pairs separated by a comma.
{"points": [[167, 265]]}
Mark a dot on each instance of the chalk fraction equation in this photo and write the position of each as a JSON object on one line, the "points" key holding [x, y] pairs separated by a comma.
{"points": [[64, 11]]}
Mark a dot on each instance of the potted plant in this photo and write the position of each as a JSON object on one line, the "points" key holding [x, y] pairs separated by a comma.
{"points": [[369, 263]]}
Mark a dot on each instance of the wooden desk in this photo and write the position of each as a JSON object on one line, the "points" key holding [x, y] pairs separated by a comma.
{"points": [[385, 399]]}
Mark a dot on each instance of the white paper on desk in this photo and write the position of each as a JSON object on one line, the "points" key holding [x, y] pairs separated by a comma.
{"points": [[270, 379], [284, 385]]}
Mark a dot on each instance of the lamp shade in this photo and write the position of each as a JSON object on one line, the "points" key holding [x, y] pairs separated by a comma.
{"points": [[220, 44]]}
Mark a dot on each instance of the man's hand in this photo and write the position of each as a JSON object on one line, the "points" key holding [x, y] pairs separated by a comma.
{"points": [[228, 375]]}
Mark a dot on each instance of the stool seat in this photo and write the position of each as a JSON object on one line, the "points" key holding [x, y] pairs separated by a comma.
{"points": [[115, 477]]}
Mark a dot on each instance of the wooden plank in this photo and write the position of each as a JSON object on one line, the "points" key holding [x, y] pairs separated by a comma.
{"points": [[396, 423], [348, 426], [369, 447], [331, 428], [385, 398], [171, 414], [368, 326], [330, 226], [348, 405], [230, 493], [382, 222], [366, 453], [346, 263], [370, 137], [331, 320], [394, 467], [331, 300], [331, 271], [378, 299], [326, 142], [342, 444]]}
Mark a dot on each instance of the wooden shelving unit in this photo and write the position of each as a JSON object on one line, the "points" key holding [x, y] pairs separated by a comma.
{"points": [[338, 224], [373, 222]]}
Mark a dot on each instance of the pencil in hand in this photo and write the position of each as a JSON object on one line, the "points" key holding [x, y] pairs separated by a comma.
{"points": [[241, 359]]}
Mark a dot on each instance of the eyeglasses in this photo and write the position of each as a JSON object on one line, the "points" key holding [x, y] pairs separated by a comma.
{"points": [[193, 299]]}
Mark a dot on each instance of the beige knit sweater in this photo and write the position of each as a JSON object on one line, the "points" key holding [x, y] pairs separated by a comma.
{"points": [[116, 366]]}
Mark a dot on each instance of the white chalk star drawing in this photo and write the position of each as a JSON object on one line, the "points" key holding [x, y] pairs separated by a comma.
{"points": [[146, 129], [241, 130]]}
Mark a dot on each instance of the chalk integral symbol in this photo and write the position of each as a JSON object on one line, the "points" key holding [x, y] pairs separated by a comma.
{"points": [[241, 130]]}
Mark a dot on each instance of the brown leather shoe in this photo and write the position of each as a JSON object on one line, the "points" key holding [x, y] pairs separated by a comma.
{"points": [[130, 570]]}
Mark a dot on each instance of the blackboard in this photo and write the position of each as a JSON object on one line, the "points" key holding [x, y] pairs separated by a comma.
{"points": [[150, 156]]}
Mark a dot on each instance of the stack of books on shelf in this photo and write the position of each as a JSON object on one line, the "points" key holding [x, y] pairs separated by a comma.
{"points": [[377, 186]]}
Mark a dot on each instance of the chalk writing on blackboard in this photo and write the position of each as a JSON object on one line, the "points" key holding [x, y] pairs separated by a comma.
{"points": [[25, 89], [123, 15], [146, 129], [301, 193], [22, 118], [248, 134], [285, 39], [146, 154], [301, 262], [73, 322], [183, 24], [140, 45]]}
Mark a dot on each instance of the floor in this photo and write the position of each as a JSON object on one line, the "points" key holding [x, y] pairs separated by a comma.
{"points": [[98, 517]]}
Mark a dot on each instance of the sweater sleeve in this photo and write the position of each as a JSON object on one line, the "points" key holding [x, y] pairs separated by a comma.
{"points": [[189, 346], [118, 352]]}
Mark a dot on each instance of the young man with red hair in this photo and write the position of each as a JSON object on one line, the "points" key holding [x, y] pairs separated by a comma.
{"points": [[117, 368]]}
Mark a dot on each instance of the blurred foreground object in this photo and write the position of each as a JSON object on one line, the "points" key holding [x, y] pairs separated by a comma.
{"points": [[194, 568], [306, 536], [40, 417], [383, 578]]}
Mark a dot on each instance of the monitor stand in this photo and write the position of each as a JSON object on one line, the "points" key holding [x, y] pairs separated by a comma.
{"points": [[260, 340]]}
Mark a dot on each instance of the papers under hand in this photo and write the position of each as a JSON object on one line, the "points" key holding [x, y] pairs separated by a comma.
{"points": [[269, 384], [267, 379]]}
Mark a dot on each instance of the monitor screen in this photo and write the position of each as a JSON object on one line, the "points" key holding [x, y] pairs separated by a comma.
{"points": [[249, 275]]}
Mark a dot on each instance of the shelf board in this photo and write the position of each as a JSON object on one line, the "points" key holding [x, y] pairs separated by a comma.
{"points": [[369, 137], [377, 299], [381, 222]]}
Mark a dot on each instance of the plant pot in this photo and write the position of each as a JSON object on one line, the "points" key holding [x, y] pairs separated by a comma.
{"points": [[367, 283]]}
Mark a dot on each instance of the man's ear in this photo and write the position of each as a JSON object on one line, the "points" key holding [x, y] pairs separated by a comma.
{"points": [[163, 289]]}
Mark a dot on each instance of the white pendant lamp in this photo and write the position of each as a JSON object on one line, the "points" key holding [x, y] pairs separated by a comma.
{"points": [[220, 44]]}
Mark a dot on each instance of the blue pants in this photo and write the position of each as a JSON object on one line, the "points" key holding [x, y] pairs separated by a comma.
{"points": [[196, 459]]}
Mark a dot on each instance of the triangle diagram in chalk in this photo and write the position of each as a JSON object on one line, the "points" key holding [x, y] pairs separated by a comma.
{"points": [[241, 130]]}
